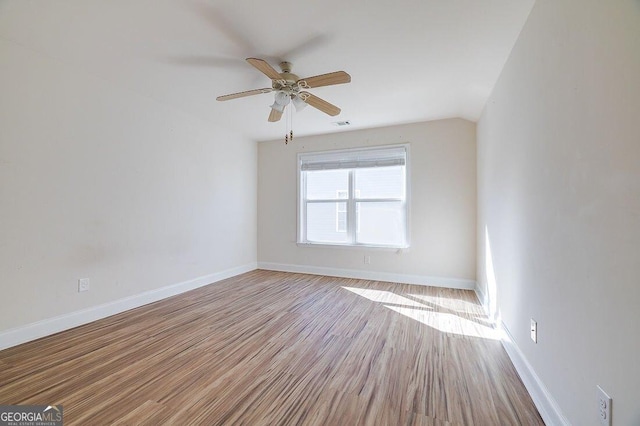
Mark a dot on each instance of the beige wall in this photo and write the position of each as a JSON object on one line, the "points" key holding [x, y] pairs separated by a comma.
{"points": [[97, 181], [443, 202], [559, 201]]}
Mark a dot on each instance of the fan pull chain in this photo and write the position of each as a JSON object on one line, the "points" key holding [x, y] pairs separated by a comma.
{"points": [[291, 124], [288, 136], [286, 126]]}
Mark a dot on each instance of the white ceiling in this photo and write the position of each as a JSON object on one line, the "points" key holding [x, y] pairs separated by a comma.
{"points": [[411, 60]]}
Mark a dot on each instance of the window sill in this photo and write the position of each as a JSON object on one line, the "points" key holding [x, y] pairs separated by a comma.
{"points": [[399, 249]]}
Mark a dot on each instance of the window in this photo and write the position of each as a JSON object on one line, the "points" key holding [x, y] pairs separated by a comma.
{"points": [[354, 197]]}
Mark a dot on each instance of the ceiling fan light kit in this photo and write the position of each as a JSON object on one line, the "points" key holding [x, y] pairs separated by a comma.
{"points": [[290, 88], [299, 103], [281, 100]]}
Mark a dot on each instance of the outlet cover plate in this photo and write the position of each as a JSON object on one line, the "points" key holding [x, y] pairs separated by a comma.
{"points": [[534, 330], [604, 407], [83, 284]]}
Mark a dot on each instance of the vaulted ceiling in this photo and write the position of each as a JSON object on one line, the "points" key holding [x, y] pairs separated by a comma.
{"points": [[410, 60]]}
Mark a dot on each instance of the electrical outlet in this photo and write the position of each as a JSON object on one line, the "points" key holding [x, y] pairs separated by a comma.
{"points": [[367, 260], [83, 284], [604, 407], [534, 330]]}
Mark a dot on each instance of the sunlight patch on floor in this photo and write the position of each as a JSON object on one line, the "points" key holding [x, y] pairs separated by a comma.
{"points": [[457, 305], [425, 313], [448, 323], [385, 297]]}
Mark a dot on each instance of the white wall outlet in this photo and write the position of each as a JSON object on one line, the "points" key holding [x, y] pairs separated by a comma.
{"points": [[604, 407], [83, 284], [534, 330], [367, 260]]}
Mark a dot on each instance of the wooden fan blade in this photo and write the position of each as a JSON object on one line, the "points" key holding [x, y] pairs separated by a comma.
{"points": [[320, 104], [243, 94], [338, 77], [265, 68], [275, 115]]}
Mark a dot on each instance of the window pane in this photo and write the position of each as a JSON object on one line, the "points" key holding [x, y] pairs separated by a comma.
{"points": [[326, 223], [381, 223], [380, 182], [327, 184]]}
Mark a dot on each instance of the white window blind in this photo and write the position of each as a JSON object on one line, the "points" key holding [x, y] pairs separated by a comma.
{"points": [[356, 159], [354, 197]]}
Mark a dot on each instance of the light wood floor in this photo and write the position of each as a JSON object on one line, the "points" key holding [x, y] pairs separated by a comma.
{"points": [[271, 348]]}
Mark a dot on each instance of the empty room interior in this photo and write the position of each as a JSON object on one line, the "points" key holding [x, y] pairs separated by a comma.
{"points": [[320, 213]]}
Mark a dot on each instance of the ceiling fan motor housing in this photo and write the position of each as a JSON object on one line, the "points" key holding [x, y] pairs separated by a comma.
{"points": [[286, 74], [285, 66]]}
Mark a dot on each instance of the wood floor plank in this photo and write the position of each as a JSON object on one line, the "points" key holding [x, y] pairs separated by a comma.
{"points": [[274, 348]]}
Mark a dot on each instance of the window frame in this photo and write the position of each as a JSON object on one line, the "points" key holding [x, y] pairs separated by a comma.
{"points": [[301, 205], [346, 211]]}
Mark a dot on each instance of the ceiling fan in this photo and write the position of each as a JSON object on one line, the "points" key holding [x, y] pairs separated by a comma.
{"points": [[290, 88]]}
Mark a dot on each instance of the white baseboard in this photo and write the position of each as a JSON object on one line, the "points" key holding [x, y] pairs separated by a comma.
{"points": [[53, 325], [483, 299], [545, 403], [371, 275]]}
